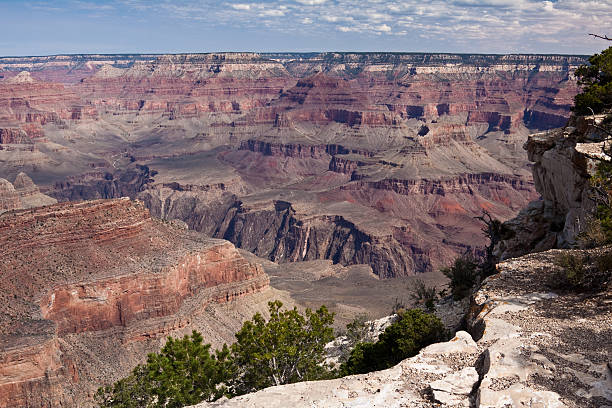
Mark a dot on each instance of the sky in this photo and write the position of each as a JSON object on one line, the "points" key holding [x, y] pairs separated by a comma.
{"points": [[176, 26]]}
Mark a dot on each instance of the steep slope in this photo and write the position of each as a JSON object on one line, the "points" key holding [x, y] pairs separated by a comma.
{"points": [[23, 193], [564, 160], [81, 281]]}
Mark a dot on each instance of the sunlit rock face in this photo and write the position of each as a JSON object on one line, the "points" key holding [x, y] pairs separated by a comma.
{"points": [[382, 158], [22, 193], [563, 162], [81, 281]]}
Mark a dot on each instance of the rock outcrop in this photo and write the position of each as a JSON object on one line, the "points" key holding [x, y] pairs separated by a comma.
{"points": [[23, 193], [529, 351], [444, 371], [564, 161], [541, 346], [81, 281]]}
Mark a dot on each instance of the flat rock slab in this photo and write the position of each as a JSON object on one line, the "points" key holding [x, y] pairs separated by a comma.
{"points": [[405, 385]]}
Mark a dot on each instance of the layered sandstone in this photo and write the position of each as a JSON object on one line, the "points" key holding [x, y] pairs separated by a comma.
{"points": [[96, 276], [23, 193], [400, 150]]}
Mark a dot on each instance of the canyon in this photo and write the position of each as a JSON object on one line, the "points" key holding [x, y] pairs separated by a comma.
{"points": [[529, 339], [376, 158], [156, 194]]}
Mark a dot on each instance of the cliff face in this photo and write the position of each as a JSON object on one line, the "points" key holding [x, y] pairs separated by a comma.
{"points": [[563, 164], [96, 276], [394, 150]]}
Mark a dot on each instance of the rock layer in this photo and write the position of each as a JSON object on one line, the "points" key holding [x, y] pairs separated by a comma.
{"points": [[395, 150], [23, 193], [564, 160], [90, 275]]}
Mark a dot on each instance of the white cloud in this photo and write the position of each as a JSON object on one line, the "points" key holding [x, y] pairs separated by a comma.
{"points": [[272, 13], [383, 27], [484, 25], [311, 2]]}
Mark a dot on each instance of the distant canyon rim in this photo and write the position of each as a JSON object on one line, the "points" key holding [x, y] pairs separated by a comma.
{"points": [[381, 159]]}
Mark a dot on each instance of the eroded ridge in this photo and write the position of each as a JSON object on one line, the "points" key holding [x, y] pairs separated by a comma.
{"points": [[79, 280]]}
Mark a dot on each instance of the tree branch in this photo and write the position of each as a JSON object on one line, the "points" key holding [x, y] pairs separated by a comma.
{"points": [[604, 37]]}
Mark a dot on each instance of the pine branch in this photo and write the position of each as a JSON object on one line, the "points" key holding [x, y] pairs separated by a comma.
{"points": [[604, 37]]}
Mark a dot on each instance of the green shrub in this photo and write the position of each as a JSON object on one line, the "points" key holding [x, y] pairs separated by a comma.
{"points": [[597, 80], [414, 330], [573, 269], [592, 235], [602, 181], [289, 347], [463, 275], [582, 272], [424, 294], [357, 330], [132, 391]]}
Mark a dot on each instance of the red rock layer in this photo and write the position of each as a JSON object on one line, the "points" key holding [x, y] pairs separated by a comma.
{"points": [[92, 267]]}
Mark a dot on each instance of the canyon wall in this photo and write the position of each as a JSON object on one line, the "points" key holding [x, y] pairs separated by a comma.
{"points": [[22, 193], [564, 161], [390, 150], [80, 281]]}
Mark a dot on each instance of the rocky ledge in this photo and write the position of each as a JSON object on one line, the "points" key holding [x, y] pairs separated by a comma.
{"points": [[534, 347], [564, 160], [80, 281]]}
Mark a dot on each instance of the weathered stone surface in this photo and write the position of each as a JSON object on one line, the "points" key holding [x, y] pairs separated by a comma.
{"points": [[541, 348], [400, 386], [535, 348], [455, 388], [564, 160], [23, 193], [29, 193], [9, 198], [98, 276]]}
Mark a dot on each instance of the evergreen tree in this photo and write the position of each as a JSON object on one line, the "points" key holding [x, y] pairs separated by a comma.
{"points": [[596, 96], [287, 348], [414, 330], [183, 373]]}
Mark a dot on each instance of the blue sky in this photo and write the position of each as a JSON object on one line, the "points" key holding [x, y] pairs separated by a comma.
{"points": [[173, 26]]}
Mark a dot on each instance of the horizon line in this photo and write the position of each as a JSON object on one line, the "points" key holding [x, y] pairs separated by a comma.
{"points": [[288, 53]]}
